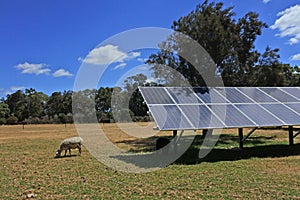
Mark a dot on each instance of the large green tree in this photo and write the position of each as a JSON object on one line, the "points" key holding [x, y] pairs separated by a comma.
{"points": [[103, 103], [229, 41], [35, 103], [270, 72], [16, 104], [136, 101], [4, 112], [54, 104]]}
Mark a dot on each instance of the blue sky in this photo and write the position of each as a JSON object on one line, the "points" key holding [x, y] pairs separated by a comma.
{"points": [[43, 43]]}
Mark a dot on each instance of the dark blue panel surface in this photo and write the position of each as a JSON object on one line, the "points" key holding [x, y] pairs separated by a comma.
{"points": [[284, 113], [293, 91], [153, 95], [294, 106], [210, 95], [169, 117], [235, 96], [279, 95], [259, 115], [256, 95], [201, 116], [233, 117], [179, 108], [183, 95]]}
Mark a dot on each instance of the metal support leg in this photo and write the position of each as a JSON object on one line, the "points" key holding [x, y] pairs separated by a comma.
{"points": [[241, 138], [174, 133], [291, 135]]}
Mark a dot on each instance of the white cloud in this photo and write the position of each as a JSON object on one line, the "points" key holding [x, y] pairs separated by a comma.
{"points": [[120, 66], [153, 80], [13, 89], [29, 68], [105, 55], [143, 68], [143, 60], [108, 54], [134, 54], [288, 24], [16, 88], [61, 72], [266, 1], [295, 57]]}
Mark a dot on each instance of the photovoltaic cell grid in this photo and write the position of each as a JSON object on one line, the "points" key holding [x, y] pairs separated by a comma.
{"points": [[182, 108]]}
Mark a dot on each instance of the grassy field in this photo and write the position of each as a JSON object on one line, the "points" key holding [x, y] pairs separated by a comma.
{"points": [[266, 169]]}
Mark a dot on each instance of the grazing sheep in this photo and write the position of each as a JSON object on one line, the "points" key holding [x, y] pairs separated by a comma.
{"points": [[68, 144]]}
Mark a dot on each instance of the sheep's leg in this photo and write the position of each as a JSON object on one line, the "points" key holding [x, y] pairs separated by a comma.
{"points": [[70, 151], [79, 149], [65, 152]]}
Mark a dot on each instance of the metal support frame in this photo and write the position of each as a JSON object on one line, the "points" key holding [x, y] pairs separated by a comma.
{"points": [[174, 133], [291, 135], [242, 138], [240, 130], [298, 133], [177, 137]]}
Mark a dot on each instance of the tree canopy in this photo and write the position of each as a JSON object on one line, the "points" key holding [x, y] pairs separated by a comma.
{"points": [[231, 44]]}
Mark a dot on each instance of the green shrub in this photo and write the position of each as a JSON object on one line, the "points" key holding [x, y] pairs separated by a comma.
{"points": [[2, 121], [12, 120]]}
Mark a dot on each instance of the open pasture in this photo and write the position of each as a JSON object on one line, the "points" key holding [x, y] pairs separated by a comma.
{"points": [[266, 169]]}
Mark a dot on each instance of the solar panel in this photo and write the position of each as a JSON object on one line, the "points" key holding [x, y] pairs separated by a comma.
{"points": [[210, 95], [180, 108], [294, 106], [234, 118], [156, 96], [201, 116], [256, 95], [183, 95], [284, 113], [279, 95], [169, 117], [259, 115], [292, 91], [235, 96]]}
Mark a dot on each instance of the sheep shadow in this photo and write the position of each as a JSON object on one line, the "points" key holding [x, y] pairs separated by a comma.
{"points": [[66, 156]]}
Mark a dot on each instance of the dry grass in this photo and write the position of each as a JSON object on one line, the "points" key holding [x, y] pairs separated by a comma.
{"points": [[28, 168]]}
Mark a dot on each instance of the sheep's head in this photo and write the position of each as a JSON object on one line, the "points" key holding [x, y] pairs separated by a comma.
{"points": [[58, 152]]}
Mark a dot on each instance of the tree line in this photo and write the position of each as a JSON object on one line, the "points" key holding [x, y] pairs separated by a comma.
{"points": [[33, 107], [229, 41]]}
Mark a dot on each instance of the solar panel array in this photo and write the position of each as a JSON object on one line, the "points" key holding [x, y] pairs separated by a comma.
{"points": [[183, 108]]}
